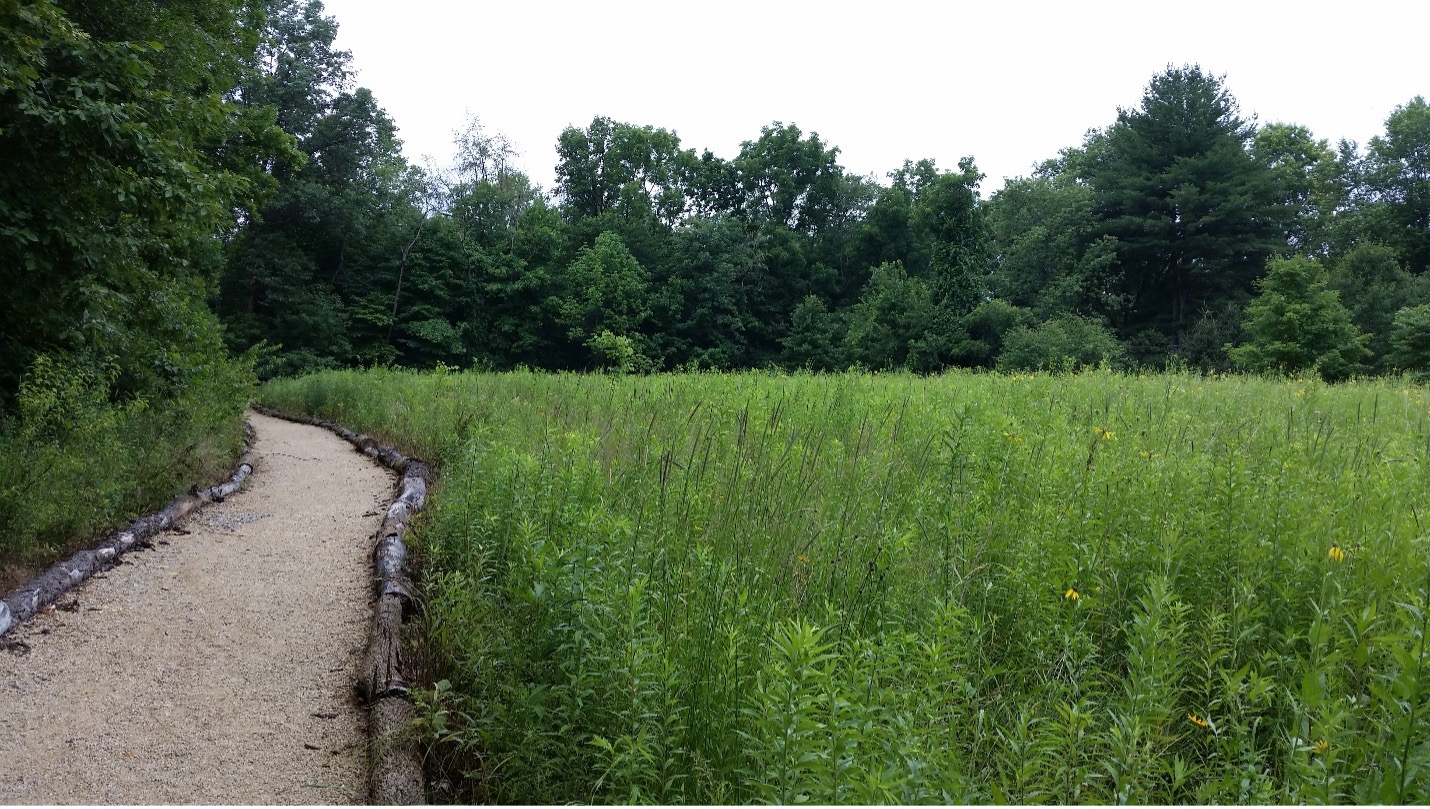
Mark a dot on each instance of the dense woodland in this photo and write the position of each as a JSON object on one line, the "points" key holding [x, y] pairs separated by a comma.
{"points": [[182, 183]]}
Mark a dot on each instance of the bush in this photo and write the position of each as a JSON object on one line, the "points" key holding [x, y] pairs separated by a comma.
{"points": [[1067, 340], [1410, 340], [75, 463], [1298, 324]]}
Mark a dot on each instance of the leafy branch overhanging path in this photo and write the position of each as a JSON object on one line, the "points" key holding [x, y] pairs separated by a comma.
{"points": [[217, 666]]}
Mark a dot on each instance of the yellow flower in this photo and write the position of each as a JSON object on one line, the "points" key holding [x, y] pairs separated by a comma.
{"points": [[804, 558], [1071, 594], [1321, 746], [1336, 554], [1014, 437], [1104, 434], [1197, 720]]}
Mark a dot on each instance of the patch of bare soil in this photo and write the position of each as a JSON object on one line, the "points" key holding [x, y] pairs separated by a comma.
{"points": [[216, 666]]}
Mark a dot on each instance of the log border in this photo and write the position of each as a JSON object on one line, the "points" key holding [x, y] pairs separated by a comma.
{"points": [[25, 601], [394, 765]]}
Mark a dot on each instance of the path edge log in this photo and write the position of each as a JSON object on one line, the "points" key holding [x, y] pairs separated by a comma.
{"points": [[30, 598], [386, 677]]}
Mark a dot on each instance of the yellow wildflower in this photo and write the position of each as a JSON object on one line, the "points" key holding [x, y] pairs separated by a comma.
{"points": [[1071, 594], [1014, 437], [1197, 720], [1321, 746], [1104, 434], [1336, 554]]}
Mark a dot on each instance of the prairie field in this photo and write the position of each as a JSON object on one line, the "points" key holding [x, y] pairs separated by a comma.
{"points": [[967, 588]]}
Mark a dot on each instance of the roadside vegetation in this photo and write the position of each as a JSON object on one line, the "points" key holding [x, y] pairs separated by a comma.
{"points": [[968, 588]]}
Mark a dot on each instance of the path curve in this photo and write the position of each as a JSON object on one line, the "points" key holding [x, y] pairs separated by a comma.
{"points": [[218, 666]]}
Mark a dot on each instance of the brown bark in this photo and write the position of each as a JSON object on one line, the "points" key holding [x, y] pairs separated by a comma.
{"points": [[385, 672], [395, 776]]}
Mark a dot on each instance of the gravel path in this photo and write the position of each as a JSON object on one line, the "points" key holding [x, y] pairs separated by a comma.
{"points": [[218, 666]]}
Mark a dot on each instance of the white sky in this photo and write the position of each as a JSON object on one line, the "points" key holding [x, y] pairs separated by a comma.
{"points": [[1010, 83]]}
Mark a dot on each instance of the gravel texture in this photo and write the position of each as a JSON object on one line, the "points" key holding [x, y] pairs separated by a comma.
{"points": [[217, 666]]}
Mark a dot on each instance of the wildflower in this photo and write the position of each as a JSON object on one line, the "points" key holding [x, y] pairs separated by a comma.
{"points": [[1197, 720], [1321, 746], [803, 558], [1148, 455], [1014, 437], [1071, 594], [1336, 554], [1104, 434]]}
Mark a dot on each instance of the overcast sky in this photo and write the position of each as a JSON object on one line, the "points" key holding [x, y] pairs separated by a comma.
{"points": [[1009, 83]]}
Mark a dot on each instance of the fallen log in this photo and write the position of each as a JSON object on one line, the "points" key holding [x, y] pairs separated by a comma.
{"points": [[25, 601], [394, 771], [385, 672]]}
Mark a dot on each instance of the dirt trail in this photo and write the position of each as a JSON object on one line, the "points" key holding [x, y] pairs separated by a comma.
{"points": [[217, 667]]}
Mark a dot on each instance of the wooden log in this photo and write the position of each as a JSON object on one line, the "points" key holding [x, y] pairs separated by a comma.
{"points": [[385, 672], [394, 774], [221, 492], [26, 601]]}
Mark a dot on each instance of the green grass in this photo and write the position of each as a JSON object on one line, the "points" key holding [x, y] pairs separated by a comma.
{"points": [[970, 588], [74, 465]]}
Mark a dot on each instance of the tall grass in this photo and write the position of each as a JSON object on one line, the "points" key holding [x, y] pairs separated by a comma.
{"points": [[972, 588], [74, 464]]}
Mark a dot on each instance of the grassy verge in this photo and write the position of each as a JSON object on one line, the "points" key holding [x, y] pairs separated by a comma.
{"points": [[74, 466], [728, 588]]}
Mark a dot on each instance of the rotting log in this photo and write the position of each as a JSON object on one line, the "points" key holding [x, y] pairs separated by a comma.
{"points": [[385, 671], [394, 772]]}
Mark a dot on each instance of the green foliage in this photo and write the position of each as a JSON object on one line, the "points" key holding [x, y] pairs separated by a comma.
{"points": [[1067, 341], [815, 338], [892, 315], [1298, 325], [1373, 287], [607, 290], [74, 464], [1397, 179], [1193, 213], [1410, 340], [124, 159], [713, 588]]}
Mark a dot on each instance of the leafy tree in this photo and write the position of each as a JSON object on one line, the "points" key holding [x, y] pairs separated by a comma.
{"points": [[1194, 214], [320, 270], [1297, 324], [1046, 250], [120, 160], [815, 338], [706, 293], [986, 330], [1397, 176], [1308, 179], [1373, 287], [1410, 340], [605, 290], [892, 315], [622, 168], [791, 180]]}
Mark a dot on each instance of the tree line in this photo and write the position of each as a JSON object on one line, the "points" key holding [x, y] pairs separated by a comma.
{"points": [[177, 182]]}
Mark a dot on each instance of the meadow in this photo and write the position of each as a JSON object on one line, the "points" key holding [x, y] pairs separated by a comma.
{"points": [[968, 588]]}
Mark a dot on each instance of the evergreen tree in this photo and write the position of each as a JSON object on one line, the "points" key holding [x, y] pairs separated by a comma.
{"points": [[1194, 215]]}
